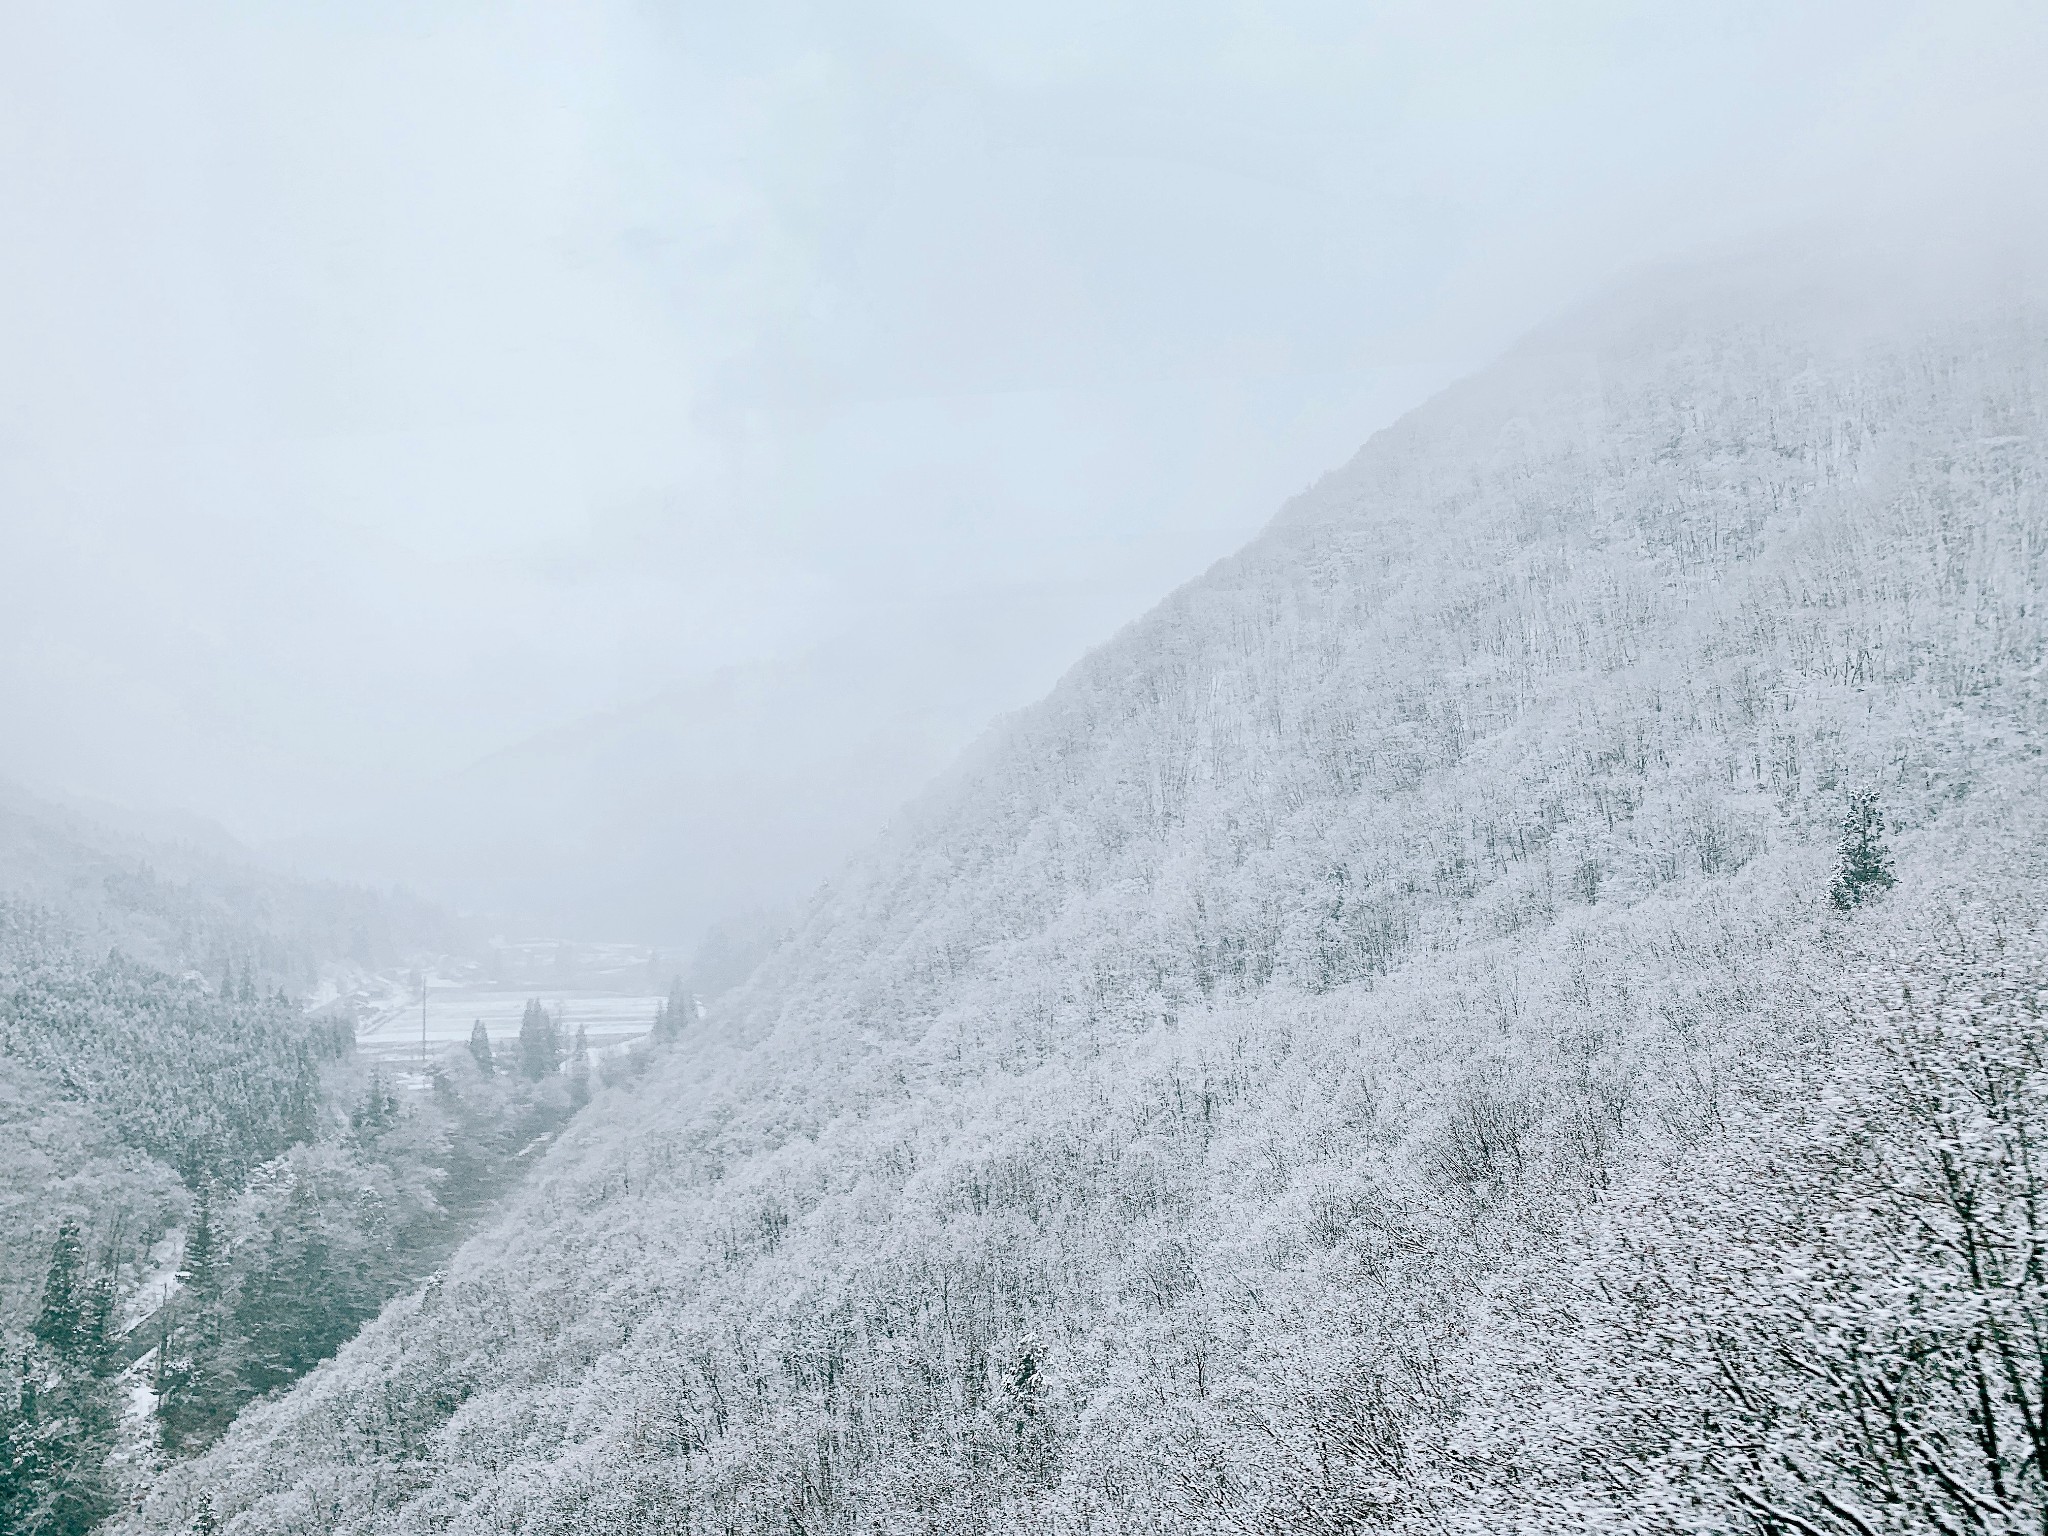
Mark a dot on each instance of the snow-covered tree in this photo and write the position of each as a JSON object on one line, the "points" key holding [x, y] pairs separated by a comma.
{"points": [[540, 1044]]}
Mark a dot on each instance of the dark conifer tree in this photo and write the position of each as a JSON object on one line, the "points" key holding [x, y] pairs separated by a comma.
{"points": [[480, 1048], [203, 1266], [1863, 865], [295, 1305], [197, 1369], [17, 1439], [54, 1481], [97, 1321], [378, 1110], [61, 1322], [62, 1418]]}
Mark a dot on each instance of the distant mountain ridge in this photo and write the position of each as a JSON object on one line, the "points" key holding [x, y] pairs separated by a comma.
{"points": [[182, 903], [1288, 1079], [737, 791]]}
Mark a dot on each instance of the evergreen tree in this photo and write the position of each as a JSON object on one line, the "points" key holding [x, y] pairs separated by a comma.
{"points": [[379, 1110], [480, 1048], [196, 1368], [203, 1269], [679, 1010], [97, 1322], [540, 1046], [59, 1428], [61, 1322], [294, 1306], [1863, 865], [17, 1439], [53, 1481]]}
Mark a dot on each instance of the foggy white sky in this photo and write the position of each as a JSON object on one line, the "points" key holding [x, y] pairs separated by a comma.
{"points": [[382, 383]]}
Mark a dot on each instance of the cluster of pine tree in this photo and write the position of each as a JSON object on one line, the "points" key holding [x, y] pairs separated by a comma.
{"points": [[136, 1090], [210, 1082], [56, 1406], [162, 1093], [279, 1273], [138, 1107]]}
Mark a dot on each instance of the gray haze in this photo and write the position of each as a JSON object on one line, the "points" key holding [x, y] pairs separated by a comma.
{"points": [[592, 460]]}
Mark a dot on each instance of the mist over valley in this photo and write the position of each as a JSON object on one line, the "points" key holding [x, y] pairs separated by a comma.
{"points": [[1258, 770]]}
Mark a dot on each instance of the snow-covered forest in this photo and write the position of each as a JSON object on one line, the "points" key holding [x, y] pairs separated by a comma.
{"points": [[204, 1189], [1513, 1003]]}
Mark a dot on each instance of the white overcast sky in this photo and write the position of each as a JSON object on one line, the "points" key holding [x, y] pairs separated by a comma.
{"points": [[384, 381]]}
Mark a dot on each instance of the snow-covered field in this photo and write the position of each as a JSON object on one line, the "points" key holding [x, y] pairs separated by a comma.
{"points": [[393, 1033]]}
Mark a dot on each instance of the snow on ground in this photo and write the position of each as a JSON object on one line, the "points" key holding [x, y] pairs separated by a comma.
{"points": [[155, 1286], [394, 1034]]}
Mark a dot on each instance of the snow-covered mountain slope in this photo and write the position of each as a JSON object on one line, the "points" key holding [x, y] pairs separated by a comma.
{"points": [[1177, 1121]]}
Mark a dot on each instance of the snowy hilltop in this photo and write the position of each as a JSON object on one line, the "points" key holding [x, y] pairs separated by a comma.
{"points": [[1512, 1003]]}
